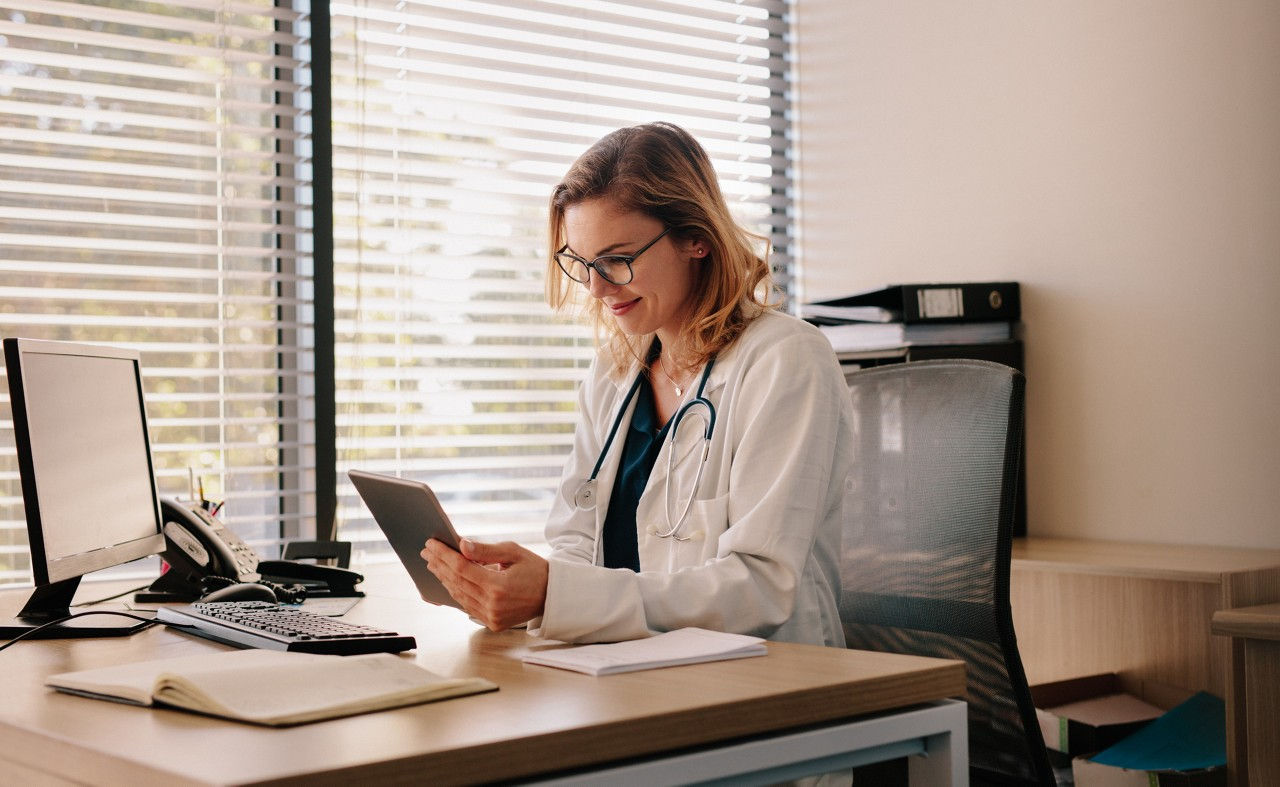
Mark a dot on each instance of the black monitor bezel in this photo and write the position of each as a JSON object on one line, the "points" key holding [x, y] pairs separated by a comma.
{"points": [[43, 571]]}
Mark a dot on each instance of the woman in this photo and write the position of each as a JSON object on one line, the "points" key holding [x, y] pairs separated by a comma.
{"points": [[713, 448]]}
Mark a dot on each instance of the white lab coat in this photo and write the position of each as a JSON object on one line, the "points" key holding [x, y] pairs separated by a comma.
{"points": [[765, 527]]}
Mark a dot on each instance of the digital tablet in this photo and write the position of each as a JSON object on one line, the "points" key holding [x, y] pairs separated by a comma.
{"points": [[408, 513]]}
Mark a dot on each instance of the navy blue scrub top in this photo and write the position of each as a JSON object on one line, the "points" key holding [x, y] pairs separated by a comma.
{"points": [[639, 452]]}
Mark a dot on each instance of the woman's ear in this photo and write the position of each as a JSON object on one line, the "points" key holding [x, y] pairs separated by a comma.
{"points": [[697, 249]]}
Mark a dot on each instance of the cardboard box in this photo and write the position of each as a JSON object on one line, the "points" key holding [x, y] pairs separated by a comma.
{"points": [[1091, 774], [1084, 715], [1153, 724]]}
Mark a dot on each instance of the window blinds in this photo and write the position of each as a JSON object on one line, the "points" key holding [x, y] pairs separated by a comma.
{"points": [[452, 120], [154, 166]]}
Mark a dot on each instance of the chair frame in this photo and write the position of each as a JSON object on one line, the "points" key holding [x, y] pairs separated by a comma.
{"points": [[1002, 612]]}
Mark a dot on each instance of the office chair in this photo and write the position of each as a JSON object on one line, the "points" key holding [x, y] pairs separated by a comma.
{"points": [[927, 541]]}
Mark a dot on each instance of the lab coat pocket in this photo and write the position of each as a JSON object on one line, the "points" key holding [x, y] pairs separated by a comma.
{"points": [[701, 530]]}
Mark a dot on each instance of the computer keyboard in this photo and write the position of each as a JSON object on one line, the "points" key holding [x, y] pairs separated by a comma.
{"points": [[261, 624]]}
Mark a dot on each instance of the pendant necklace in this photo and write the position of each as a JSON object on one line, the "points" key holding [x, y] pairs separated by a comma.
{"points": [[662, 369]]}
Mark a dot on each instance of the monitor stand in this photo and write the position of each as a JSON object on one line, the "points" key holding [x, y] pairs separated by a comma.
{"points": [[53, 601]]}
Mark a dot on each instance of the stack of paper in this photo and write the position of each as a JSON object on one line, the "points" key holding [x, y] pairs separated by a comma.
{"points": [[682, 646], [857, 336]]}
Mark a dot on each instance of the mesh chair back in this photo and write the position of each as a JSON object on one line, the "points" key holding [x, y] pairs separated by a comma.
{"points": [[925, 563]]}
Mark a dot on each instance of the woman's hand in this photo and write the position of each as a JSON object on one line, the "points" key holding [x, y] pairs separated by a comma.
{"points": [[501, 585]]}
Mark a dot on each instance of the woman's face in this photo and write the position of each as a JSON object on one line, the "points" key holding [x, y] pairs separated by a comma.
{"points": [[656, 300]]}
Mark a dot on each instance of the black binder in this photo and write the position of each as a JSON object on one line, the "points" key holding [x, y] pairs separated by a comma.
{"points": [[914, 303]]}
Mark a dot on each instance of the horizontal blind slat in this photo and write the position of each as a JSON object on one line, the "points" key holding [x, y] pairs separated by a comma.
{"points": [[127, 43]]}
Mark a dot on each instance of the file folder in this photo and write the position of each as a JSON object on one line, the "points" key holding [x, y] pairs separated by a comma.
{"points": [[916, 303]]}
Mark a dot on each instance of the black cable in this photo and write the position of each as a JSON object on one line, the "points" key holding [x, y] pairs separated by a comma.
{"points": [[42, 626], [110, 598]]}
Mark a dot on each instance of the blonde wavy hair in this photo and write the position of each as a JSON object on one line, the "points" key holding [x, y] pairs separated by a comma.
{"points": [[660, 170]]}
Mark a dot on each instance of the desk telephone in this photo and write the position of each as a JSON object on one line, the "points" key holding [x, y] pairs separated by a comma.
{"points": [[198, 546]]}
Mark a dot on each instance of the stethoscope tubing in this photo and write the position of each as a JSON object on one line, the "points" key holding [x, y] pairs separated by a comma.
{"points": [[585, 498], [671, 531]]}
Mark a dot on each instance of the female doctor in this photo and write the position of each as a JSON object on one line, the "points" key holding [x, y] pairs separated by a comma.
{"points": [[712, 453]]}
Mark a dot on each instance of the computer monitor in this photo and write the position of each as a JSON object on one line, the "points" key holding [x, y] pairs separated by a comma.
{"points": [[88, 487]]}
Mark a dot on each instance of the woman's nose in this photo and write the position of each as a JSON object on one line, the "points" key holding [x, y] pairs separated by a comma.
{"points": [[598, 286]]}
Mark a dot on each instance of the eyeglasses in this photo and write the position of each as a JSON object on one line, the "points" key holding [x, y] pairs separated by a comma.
{"points": [[613, 268]]}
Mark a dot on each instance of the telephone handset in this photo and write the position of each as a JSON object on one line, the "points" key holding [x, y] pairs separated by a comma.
{"points": [[197, 545]]}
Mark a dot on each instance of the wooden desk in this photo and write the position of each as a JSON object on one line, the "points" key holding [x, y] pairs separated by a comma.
{"points": [[1257, 695], [542, 720], [1082, 607]]}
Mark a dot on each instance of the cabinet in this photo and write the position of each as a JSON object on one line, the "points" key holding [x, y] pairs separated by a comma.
{"points": [[1081, 607]]}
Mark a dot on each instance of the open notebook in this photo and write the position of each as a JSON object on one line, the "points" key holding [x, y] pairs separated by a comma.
{"points": [[271, 687]]}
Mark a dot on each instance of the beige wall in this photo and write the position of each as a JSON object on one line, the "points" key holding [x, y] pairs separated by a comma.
{"points": [[1120, 159]]}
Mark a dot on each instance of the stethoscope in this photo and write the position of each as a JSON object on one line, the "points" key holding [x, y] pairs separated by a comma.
{"points": [[585, 497]]}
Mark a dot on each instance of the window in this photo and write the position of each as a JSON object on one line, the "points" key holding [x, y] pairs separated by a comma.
{"points": [[452, 120], [156, 165], [156, 191]]}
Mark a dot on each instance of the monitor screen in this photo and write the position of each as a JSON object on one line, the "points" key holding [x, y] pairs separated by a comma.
{"points": [[80, 428], [89, 454]]}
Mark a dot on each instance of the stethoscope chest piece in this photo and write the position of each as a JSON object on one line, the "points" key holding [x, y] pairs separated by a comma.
{"points": [[585, 497]]}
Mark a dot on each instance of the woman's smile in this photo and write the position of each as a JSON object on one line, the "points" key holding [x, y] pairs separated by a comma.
{"points": [[622, 307]]}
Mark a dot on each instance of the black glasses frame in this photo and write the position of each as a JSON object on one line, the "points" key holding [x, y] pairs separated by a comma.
{"points": [[579, 270]]}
